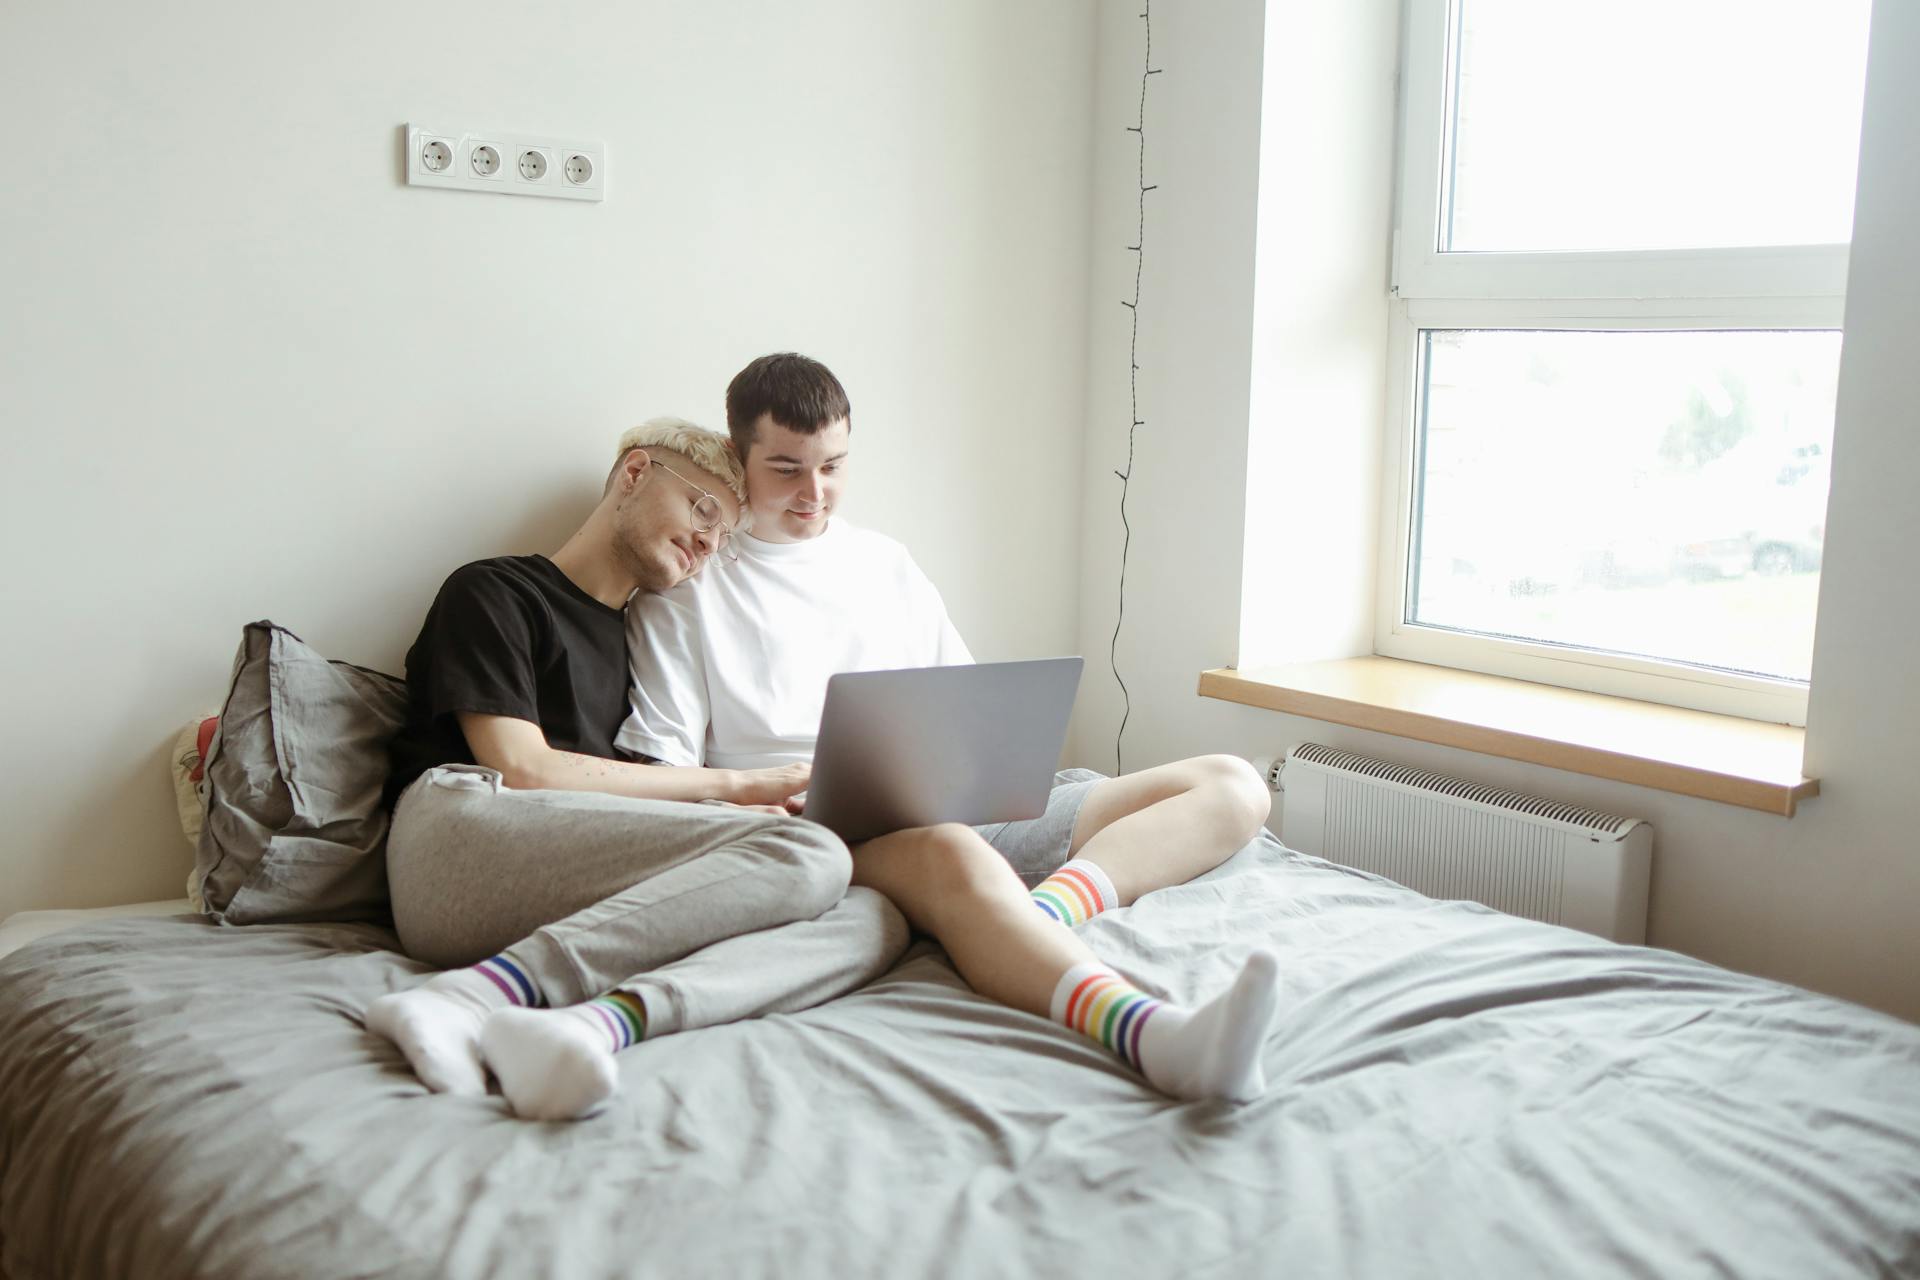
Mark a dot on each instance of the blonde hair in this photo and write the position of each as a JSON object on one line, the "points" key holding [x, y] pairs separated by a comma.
{"points": [[708, 450]]}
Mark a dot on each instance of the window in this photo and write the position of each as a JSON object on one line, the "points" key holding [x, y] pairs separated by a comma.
{"points": [[1619, 268]]}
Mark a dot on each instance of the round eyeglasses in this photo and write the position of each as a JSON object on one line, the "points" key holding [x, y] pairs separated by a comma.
{"points": [[706, 516]]}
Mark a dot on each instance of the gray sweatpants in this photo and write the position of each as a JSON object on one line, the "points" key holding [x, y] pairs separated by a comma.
{"points": [[707, 912]]}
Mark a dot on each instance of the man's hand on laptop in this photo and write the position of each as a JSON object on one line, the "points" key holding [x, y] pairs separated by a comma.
{"points": [[769, 786]]}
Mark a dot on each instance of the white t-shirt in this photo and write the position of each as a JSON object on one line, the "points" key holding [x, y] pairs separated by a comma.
{"points": [[730, 667]]}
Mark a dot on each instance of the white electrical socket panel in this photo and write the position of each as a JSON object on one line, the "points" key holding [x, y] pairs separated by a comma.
{"points": [[510, 164]]}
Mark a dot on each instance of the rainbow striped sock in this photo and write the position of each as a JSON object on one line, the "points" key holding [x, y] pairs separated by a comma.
{"points": [[1100, 1004], [1208, 1052], [619, 1016], [512, 981], [1076, 893]]}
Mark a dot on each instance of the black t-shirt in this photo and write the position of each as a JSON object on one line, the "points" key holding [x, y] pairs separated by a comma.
{"points": [[512, 636]]}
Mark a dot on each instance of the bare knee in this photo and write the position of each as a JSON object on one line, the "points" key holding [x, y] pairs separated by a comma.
{"points": [[1238, 788], [965, 865], [959, 874]]}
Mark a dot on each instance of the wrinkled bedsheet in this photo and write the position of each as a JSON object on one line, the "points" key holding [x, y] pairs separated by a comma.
{"points": [[1453, 1092]]}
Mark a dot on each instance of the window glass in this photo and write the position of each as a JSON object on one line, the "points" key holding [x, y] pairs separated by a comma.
{"points": [[1659, 494], [1653, 124]]}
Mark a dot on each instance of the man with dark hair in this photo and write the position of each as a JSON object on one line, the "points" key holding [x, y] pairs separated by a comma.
{"points": [[730, 670], [797, 391], [538, 865]]}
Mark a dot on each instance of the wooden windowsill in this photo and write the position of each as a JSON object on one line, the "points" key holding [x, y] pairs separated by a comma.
{"points": [[1692, 753]]}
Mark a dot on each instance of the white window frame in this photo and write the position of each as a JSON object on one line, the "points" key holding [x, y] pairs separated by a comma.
{"points": [[1793, 287]]}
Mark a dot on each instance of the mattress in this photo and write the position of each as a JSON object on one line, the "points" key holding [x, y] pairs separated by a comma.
{"points": [[1451, 1092], [19, 929]]}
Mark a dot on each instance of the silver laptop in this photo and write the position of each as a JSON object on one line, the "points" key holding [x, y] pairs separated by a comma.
{"points": [[910, 748]]}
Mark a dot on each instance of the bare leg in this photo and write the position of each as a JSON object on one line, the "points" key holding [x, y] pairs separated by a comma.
{"points": [[949, 882], [1147, 830], [1164, 826]]}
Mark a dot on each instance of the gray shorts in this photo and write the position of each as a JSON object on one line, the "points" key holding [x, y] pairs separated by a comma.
{"points": [[1038, 847]]}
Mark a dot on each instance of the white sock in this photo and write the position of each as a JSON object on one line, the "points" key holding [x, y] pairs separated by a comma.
{"points": [[1209, 1052], [437, 1025], [557, 1064]]}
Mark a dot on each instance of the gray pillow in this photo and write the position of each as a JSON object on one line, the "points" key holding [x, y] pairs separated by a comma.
{"points": [[295, 829]]}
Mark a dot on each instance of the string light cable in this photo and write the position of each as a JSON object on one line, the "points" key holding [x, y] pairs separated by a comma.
{"points": [[1135, 422]]}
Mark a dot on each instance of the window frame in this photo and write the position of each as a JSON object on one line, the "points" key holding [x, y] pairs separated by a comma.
{"points": [[1787, 287]]}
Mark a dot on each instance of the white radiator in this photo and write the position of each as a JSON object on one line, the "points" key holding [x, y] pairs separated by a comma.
{"points": [[1451, 839]]}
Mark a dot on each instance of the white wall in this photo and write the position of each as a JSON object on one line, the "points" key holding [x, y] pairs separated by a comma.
{"points": [[1316, 389], [1293, 502], [1186, 500], [1829, 899], [246, 372]]}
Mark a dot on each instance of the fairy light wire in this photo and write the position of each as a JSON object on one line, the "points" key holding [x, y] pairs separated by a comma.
{"points": [[1135, 422]]}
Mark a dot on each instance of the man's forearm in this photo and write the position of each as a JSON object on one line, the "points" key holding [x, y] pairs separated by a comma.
{"points": [[571, 771]]}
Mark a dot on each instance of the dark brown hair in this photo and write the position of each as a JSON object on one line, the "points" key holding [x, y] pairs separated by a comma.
{"points": [[801, 395]]}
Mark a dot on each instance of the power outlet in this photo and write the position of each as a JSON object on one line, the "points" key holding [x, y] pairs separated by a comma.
{"points": [[435, 155], [486, 160], [506, 163], [535, 165]]}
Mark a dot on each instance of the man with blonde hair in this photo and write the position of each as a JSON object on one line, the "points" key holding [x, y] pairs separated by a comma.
{"points": [[573, 893]]}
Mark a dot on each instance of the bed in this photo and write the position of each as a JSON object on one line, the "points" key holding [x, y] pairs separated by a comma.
{"points": [[1452, 1092]]}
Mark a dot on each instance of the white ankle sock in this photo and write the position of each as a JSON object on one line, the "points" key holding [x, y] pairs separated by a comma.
{"points": [[557, 1064], [437, 1025], [1212, 1051]]}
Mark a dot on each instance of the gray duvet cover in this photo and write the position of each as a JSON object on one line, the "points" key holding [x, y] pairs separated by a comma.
{"points": [[1453, 1092]]}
